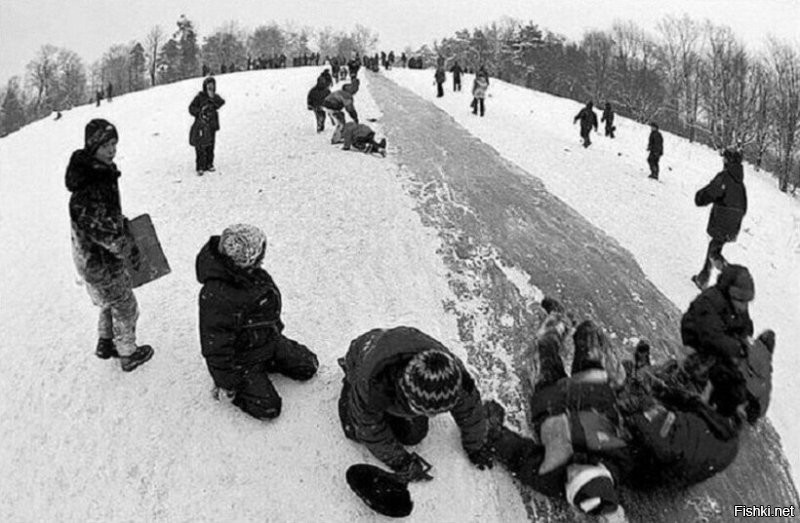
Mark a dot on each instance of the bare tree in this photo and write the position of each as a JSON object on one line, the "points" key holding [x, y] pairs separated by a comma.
{"points": [[785, 112], [225, 47], [599, 48], [71, 80], [154, 39], [266, 41], [680, 56], [42, 72]]}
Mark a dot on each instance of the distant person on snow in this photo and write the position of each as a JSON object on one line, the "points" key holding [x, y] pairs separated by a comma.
{"points": [[728, 198], [315, 98], [336, 103], [588, 120], [608, 118], [98, 96], [241, 332], [439, 77], [479, 88], [655, 144], [457, 71], [202, 135], [100, 243], [579, 449], [109, 91], [395, 380], [362, 138]]}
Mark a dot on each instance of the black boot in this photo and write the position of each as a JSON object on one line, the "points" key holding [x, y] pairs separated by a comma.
{"points": [[142, 354], [641, 358], [105, 349]]}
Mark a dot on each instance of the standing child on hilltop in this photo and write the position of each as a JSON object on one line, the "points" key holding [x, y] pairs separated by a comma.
{"points": [[608, 118], [479, 87], [241, 332], [655, 144], [100, 242], [204, 108], [588, 120]]}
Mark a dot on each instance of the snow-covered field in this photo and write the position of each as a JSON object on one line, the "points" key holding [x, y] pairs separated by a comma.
{"points": [[656, 221], [83, 441]]}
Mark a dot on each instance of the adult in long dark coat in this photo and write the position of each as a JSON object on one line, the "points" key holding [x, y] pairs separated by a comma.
{"points": [[202, 135], [588, 120], [608, 118], [395, 380], [439, 78], [241, 332], [457, 71], [655, 145], [727, 196]]}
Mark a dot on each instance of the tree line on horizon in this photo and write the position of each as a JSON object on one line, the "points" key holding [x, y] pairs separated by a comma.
{"points": [[57, 79], [695, 79]]}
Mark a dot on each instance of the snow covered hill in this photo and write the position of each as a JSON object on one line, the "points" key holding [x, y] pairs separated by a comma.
{"points": [[656, 221], [82, 441]]}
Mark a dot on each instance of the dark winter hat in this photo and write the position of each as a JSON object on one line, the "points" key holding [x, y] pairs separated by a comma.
{"points": [[732, 155], [431, 382], [209, 80], [98, 132], [244, 244], [590, 488], [742, 287]]}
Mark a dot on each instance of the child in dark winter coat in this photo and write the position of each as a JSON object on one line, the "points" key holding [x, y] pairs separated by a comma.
{"points": [[338, 101], [457, 71], [100, 243], [582, 450], [395, 379], [362, 137], [588, 120], [439, 77], [680, 436], [314, 101], [655, 144], [728, 198], [241, 332], [204, 108]]}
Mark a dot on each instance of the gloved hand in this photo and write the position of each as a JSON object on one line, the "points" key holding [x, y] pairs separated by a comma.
{"points": [[483, 458], [413, 468], [223, 395], [135, 256]]}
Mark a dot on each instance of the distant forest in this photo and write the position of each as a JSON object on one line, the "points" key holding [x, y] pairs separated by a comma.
{"points": [[696, 79]]}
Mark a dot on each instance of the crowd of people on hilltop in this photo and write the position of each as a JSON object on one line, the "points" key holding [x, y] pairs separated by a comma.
{"points": [[610, 422]]}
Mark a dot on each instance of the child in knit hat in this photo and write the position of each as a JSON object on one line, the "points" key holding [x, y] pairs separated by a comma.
{"points": [[101, 241], [395, 380], [241, 332]]}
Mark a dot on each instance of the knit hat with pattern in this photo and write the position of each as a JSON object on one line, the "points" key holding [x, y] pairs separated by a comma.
{"points": [[243, 244], [431, 382]]}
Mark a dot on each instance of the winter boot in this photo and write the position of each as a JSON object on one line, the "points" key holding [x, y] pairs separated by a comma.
{"points": [[768, 339], [139, 356], [551, 305], [556, 438], [105, 349], [200, 172]]}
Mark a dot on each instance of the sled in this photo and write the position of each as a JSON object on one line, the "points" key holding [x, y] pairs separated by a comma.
{"points": [[152, 262], [382, 491]]}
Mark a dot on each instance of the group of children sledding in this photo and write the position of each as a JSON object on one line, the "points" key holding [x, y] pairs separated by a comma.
{"points": [[326, 104], [607, 423]]}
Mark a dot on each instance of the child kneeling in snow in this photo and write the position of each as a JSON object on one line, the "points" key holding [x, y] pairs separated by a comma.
{"points": [[240, 323], [362, 137]]}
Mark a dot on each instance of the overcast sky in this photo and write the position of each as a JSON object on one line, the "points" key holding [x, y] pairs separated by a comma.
{"points": [[90, 27]]}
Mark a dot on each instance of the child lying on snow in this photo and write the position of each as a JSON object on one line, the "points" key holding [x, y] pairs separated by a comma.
{"points": [[361, 137]]}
